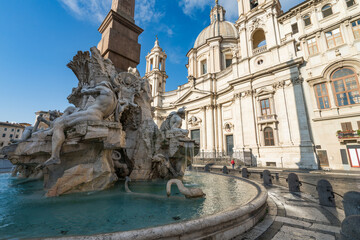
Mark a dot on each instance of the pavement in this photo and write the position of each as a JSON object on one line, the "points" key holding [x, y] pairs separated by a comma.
{"points": [[298, 216]]}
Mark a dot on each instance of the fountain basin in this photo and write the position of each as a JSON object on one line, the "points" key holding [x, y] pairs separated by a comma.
{"points": [[231, 207]]}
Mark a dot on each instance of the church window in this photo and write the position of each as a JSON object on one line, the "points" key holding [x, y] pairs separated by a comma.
{"points": [[312, 45], [203, 67], [253, 3], [265, 107], [346, 87], [294, 28], [326, 10], [228, 60], [322, 96], [349, 3], [307, 20], [356, 29], [269, 137], [334, 38], [259, 39], [151, 65]]}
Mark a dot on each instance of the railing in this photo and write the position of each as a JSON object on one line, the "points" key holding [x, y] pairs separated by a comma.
{"points": [[348, 135], [259, 50], [242, 158], [265, 118]]}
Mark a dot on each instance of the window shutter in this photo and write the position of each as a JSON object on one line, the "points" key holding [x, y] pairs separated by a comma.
{"points": [[343, 126], [349, 126], [358, 124]]}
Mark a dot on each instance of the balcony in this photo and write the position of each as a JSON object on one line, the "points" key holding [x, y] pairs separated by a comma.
{"points": [[349, 136], [259, 50], [267, 118]]}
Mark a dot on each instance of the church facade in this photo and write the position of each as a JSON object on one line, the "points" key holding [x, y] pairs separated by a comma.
{"points": [[282, 86]]}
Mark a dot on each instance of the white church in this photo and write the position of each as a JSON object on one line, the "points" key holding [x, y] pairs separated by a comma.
{"points": [[283, 86]]}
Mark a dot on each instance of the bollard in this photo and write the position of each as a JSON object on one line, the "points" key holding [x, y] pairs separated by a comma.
{"points": [[293, 182], [326, 194], [207, 168], [351, 203], [225, 170], [245, 173], [350, 228], [267, 177]]}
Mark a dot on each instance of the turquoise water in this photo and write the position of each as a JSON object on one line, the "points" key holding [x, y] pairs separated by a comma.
{"points": [[26, 213]]}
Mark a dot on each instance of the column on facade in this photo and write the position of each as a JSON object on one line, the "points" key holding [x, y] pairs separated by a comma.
{"points": [[220, 129], [204, 129], [217, 58], [216, 128], [238, 124], [210, 128], [244, 41]]}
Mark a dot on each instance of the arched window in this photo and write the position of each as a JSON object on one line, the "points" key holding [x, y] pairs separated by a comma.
{"points": [[259, 39], [326, 10], [346, 87], [269, 137], [307, 20]]}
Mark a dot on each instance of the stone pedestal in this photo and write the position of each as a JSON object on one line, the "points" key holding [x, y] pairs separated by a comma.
{"points": [[119, 41]]}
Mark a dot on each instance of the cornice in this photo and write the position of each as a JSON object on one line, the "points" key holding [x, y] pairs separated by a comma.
{"points": [[114, 16]]}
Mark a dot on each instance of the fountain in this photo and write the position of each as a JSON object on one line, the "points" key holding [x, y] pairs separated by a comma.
{"points": [[89, 150]]}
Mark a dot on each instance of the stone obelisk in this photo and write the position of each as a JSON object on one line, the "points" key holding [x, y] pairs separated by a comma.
{"points": [[119, 41]]}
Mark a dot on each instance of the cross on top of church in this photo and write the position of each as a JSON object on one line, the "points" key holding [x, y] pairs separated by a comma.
{"points": [[216, 2]]}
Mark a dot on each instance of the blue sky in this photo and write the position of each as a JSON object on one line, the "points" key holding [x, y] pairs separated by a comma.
{"points": [[39, 37]]}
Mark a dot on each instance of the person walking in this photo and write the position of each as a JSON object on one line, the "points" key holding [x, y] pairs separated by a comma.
{"points": [[233, 163]]}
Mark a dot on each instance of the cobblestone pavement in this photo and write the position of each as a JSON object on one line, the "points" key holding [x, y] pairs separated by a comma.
{"points": [[298, 216]]}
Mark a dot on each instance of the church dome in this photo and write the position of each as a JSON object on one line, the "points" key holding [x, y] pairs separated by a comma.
{"points": [[224, 29]]}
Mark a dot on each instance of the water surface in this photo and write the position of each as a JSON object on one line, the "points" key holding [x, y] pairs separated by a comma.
{"points": [[25, 212]]}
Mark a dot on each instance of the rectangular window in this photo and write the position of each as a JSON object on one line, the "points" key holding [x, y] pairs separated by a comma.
{"points": [[307, 20], [11, 136], [228, 62], [17, 136], [204, 67], [322, 96], [195, 135], [265, 107], [1, 144], [312, 45], [294, 28], [5, 129], [334, 38], [18, 130], [350, 3], [356, 29], [12, 130], [346, 126], [4, 135]]}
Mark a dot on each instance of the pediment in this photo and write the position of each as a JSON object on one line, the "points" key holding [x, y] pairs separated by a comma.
{"points": [[263, 91], [191, 95]]}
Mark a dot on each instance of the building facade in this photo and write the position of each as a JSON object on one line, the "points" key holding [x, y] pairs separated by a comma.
{"points": [[283, 86], [10, 131]]}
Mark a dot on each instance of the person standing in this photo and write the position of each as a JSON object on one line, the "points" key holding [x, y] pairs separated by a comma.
{"points": [[233, 163]]}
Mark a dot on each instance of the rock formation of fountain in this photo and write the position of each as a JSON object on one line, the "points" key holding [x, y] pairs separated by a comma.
{"points": [[109, 134]]}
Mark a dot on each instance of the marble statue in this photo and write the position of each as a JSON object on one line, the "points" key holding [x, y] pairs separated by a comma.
{"points": [[188, 192], [108, 134]]}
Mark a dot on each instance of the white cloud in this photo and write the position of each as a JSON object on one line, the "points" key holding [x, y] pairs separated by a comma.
{"points": [[190, 7], [94, 10], [145, 12]]}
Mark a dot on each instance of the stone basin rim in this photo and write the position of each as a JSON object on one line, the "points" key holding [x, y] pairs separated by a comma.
{"points": [[190, 229]]}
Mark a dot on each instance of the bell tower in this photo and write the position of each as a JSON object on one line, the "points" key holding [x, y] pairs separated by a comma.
{"points": [[155, 72], [119, 40]]}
